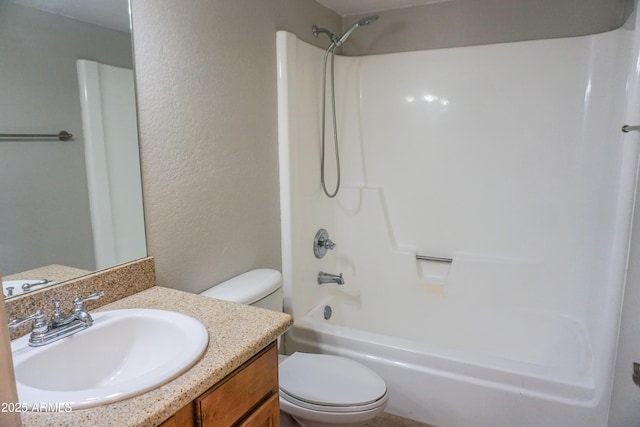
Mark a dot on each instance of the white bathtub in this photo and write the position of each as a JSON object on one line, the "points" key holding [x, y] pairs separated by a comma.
{"points": [[480, 370]]}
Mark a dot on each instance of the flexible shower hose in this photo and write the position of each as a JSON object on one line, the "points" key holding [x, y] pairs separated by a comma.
{"points": [[332, 50]]}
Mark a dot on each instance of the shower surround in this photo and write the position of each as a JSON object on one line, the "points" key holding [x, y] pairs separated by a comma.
{"points": [[509, 160]]}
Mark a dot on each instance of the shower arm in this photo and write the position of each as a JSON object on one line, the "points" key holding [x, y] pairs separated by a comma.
{"points": [[317, 30]]}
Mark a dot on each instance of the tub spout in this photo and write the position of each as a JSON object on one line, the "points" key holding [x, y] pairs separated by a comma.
{"points": [[330, 278]]}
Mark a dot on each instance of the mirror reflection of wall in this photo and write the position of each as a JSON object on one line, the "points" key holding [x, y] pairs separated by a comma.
{"points": [[45, 209]]}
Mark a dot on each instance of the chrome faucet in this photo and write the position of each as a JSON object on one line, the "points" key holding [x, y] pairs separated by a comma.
{"points": [[330, 278], [61, 326], [79, 313]]}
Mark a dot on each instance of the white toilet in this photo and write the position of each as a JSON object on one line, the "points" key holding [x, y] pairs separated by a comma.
{"points": [[317, 390]]}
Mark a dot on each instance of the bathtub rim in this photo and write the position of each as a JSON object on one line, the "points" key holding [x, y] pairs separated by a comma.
{"points": [[446, 363]]}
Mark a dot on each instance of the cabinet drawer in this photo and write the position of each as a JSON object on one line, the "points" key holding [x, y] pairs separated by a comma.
{"points": [[244, 390]]}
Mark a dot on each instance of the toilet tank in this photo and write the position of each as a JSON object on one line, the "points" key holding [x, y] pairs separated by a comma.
{"points": [[261, 288]]}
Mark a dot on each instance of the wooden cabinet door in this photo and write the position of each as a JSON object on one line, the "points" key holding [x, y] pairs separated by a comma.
{"points": [[238, 397], [267, 415], [249, 385], [182, 418], [171, 422]]}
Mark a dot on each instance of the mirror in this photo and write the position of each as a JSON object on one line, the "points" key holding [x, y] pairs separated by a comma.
{"points": [[67, 208]]}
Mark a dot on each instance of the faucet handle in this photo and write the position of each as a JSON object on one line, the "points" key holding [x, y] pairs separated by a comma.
{"points": [[78, 301], [327, 243], [39, 325], [322, 243]]}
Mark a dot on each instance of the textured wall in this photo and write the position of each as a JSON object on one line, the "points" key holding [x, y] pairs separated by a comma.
{"points": [[206, 83], [472, 22], [45, 210]]}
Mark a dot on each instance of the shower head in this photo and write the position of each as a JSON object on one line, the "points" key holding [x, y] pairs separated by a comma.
{"points": [[364, 21], [368, 20]]}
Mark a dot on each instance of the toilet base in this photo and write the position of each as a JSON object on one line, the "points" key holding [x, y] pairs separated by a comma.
{"points": [[287, 420]]}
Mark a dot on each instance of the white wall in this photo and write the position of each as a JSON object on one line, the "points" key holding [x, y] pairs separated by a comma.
{"points": [[625, 398]]}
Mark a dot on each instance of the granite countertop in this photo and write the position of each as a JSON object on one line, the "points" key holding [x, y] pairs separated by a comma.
{"points": [[55, 272], [236, 333]]}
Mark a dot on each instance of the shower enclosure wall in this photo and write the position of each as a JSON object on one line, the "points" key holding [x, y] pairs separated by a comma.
{"points": [[509, 160]]}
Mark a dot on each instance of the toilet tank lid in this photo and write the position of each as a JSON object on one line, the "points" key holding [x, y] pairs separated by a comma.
{"points": [[248, 287]]}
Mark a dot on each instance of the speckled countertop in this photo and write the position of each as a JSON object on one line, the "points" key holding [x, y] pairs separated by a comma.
{"points": [[236, 332], [55, 272]]}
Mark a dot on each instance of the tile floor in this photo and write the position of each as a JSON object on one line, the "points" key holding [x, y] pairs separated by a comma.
{"points": [[388, 420], [383, 420]]}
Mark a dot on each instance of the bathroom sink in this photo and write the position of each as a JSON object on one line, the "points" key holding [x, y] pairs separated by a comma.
{"points": [[124, 353]]}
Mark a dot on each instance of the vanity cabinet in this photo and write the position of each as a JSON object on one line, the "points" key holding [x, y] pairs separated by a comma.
{"points": [[248, 397]]}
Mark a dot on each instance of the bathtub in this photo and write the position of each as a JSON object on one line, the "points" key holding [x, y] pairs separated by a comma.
{"points": [[520, 329], [483, 371]]}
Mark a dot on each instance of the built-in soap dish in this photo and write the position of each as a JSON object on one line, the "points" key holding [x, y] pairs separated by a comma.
{"points": [[433, 270]]}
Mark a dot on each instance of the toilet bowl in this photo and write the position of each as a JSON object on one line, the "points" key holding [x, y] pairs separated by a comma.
{"points": [[317, 390]]}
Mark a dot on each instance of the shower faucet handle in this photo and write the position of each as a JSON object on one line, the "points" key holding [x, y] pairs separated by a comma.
{"points": [[327, 244], [322, 243]]}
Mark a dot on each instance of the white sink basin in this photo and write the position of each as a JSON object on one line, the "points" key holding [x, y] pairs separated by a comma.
{"points": [[124, 353]]}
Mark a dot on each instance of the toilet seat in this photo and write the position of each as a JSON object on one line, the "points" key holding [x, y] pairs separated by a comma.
{"points": [[327, 383], [332, 409]]}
